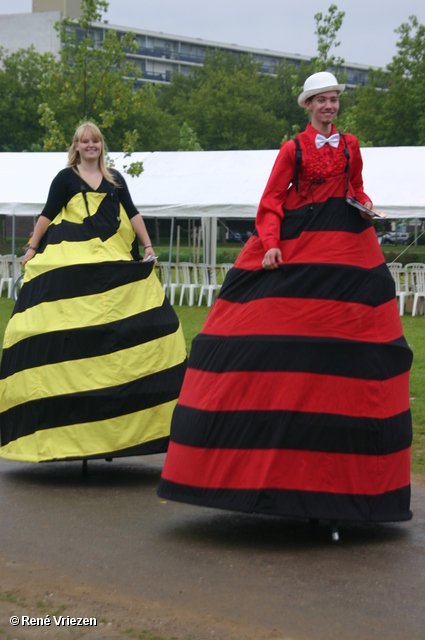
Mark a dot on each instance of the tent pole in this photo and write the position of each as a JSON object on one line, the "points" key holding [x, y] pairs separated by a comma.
{"points": [[178, 244], [199, 245], [169, 258], [13, 252]]}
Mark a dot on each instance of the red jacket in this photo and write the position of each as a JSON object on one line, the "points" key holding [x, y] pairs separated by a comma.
{"points": [[326, 164]]}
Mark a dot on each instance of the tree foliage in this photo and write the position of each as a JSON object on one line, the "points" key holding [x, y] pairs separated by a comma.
{"points": [[327, 28], [389, 110], [87, 82], [21, 74], [225, 104]]}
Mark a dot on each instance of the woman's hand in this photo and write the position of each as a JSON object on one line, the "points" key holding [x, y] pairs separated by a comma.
{"points": [[149, 252], [272, 258], [39, 231], [29, 254]]}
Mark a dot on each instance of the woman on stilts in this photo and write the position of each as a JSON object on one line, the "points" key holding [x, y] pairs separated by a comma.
{"points": [[94, 355]]}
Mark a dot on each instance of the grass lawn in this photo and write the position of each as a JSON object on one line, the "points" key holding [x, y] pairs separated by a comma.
{"points": [[192, 319]]}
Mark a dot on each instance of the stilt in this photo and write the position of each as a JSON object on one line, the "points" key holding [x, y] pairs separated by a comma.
{"points": [[335, 532]]}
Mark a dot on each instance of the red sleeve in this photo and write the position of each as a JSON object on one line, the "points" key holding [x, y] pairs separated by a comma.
{"points": [[270, 211], [356, 167]]}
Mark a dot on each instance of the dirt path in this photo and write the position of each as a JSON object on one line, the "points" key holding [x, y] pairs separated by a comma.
{"points": [[106, 546]]}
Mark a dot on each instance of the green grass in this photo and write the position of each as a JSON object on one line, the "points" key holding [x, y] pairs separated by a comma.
{"points": [[414, 331], [144, 635], [412, 254], [12, 597], [193, 318], [6, 308]]}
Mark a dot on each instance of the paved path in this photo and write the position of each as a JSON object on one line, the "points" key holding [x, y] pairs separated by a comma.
{"points": [[105, 545]]}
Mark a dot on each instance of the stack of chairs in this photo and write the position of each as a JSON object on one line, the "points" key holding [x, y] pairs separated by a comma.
{"points": [[194, 281], [7, 275], [209, 285]]}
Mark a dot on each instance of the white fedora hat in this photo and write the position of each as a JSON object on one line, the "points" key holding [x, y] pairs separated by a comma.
{"points": [[319, 83]]}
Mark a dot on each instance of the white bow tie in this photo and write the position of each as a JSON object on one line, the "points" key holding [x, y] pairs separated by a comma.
{"points": [[333, 140]]}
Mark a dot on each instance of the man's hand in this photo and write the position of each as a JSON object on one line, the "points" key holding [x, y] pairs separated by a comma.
{"points": [[364, 215], [272, 258]]}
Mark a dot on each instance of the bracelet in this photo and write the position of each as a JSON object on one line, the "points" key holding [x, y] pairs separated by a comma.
{"points": [[147, 246], [33, 248]]}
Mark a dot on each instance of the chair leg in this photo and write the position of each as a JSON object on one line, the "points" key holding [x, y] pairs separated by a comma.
{"points": [[210, 297], [402, 305], [181, 296], [415, 304]]}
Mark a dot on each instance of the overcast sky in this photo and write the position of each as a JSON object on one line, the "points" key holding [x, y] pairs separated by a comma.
{"points": [[367, 35]]}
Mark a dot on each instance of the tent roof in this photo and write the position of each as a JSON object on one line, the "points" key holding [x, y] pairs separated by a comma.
{"points": [[226, 184]]}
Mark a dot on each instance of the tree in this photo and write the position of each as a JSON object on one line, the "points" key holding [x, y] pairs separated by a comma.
{"points": [[363, 112], [327, 28], [389, 110], [404, 104], [21, 74], [225, 104], [95, 81], [188, 139]]}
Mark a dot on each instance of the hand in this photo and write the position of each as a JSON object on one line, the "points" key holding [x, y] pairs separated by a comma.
{"points": [[30, 253], [364, 215], [271, 259], [149, 252]]}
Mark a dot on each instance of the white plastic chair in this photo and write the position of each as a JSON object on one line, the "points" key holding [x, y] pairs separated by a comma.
{"points": [[209, 284], [170, 276], [7, 278], [190, 284], [418, 278], [401, 280], [225, 268], [411, 268]]}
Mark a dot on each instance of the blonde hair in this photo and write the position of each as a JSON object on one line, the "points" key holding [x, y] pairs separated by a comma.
{"points": [[74, 154]]}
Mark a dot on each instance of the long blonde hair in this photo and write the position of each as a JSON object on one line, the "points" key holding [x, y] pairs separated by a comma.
{"points": [[74, 155]]}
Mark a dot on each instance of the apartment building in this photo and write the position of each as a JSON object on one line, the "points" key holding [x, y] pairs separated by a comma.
{"points": [[159, 55]]}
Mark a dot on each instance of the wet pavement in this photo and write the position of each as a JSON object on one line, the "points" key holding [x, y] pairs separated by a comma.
{"points": [[203, 573]]}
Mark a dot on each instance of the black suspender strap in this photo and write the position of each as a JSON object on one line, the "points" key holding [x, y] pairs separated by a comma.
{"points": [[83, 191], [347, 166], [298, 158]]}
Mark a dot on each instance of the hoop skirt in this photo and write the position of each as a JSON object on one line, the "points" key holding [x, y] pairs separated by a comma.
{"points": [[94, 355], [296, 397]]}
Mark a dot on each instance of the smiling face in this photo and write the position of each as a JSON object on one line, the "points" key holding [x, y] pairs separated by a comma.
{"points": [[89, 146], [323, 108]]}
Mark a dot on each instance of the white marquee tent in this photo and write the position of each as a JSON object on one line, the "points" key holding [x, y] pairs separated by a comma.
{"points": [[213, 184], [225, 184]]}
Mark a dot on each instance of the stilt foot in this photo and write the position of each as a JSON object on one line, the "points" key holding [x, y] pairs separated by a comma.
{"points": [[335, 532]]}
